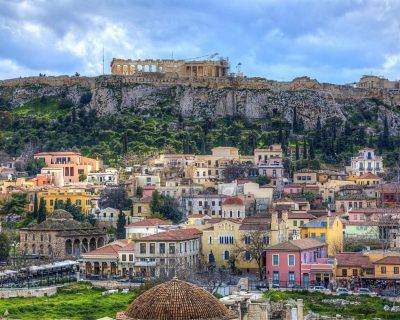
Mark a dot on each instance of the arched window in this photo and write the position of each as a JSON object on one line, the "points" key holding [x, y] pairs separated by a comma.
{"points": [[247, 256], [226, 255]]}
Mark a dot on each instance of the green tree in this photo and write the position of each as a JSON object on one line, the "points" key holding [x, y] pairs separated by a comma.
{"points": [[120, 231], [4, 247], [15, 204], [297, 151], [304, 148], [311, 151], [74, 210], [41, 215], [156, 202], [263, 180], [139, 192]]}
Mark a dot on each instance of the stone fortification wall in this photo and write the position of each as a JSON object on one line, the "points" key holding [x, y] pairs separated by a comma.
{"points": [[27, 292]]}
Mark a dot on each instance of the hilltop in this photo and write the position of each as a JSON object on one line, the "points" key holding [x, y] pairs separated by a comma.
{"points": [[115, 115]]}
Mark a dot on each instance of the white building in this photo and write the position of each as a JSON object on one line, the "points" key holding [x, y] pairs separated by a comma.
{"points": [[147, 227], [210, 204], [147, 180], [108, 177], [366, 161]]}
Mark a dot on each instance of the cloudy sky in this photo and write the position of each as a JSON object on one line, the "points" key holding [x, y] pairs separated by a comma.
{"points": [[331, 40]]}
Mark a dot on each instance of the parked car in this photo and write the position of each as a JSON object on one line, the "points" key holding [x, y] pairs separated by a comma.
{"points": [[319, 289], [294, 286], [366, 291], [342, 290], [276, 286]]}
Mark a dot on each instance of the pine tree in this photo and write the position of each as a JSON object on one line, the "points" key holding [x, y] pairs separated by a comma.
{"points": [[35, 206], [294, 123], [120, 232], [41, 215]]}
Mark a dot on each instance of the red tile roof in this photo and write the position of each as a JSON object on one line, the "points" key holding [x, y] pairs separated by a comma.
{"points": [[353, 259], [233, 201], [129, 247], [110, 249], [389, 260], [152, 222], [174, 235], [368, 175], [300, 215]]}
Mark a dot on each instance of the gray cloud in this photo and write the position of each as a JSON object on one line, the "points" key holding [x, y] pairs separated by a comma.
{"points": [[333, 41]]}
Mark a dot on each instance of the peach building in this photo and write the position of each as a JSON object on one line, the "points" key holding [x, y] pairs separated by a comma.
{"points": [[72, 163]]}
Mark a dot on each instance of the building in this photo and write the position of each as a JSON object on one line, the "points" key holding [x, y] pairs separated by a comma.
{"points": [[352, 266], [326, 229], [297, 219], [102, 261], [262, 155], [168, 253], [354, 201], [146, 227], [181, 68], [366, 162], [141, 207], [273, 168], [389, 194], [210, 204], [75, 166], [387, 268], [233, 207], [108, 177], [61, 237], [366, 179], [298, 262], [81, 197], [375, 82], [147, 180], [305, 176]]}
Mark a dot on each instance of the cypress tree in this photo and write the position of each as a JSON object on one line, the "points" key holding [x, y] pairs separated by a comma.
{"points": [[297, 151], [35, 206], [41, 215], [311, 150], [120, 232], [294, 123], [304, 148], [386, 136]]}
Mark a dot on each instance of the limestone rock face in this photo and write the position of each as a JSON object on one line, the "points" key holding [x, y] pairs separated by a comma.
{"points": [[255, 99]]}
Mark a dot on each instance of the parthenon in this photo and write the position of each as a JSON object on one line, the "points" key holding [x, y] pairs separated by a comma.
{"points": [[181, 68]]}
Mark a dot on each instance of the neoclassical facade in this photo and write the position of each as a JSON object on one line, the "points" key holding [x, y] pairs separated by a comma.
{"points": [[61, 237]]}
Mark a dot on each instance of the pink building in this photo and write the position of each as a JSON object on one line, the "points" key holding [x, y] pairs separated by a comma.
{"points": [[300, 262]]}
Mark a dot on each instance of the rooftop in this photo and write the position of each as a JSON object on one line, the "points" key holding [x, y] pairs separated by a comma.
{"points": [[152, 222], [389, 260], [174, 235], [353, 259], [297, 245], [233, 201]]}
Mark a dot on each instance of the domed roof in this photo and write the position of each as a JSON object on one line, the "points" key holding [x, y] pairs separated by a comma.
{"points": [[61, 214], [177, 300]]}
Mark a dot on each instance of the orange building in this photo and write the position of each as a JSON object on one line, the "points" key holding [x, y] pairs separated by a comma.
{"points": [[72, 163]]}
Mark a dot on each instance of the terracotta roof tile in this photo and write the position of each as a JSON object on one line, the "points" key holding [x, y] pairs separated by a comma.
{"points": [[110, 249], [389, 260], [233, 201], [353, 259], [297, 245]]}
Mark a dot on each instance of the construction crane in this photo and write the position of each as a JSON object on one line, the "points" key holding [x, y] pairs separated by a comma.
{"points": [[208, 56]]}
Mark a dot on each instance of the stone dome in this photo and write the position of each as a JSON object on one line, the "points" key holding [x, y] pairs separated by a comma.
{"points": [[177, 300], [61, 214]]}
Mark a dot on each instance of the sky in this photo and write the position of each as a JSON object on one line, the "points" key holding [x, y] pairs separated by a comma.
{"points": [[334, 41]]}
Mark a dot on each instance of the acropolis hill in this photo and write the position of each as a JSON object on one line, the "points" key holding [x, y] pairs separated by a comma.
{"points": [[213, 94]]}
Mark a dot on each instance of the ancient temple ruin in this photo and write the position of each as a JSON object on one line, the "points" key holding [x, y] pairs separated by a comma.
{"points": [[181, 68]]}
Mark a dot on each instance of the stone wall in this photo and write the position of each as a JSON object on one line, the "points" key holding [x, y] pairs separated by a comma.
{"points": [[27, 292]]}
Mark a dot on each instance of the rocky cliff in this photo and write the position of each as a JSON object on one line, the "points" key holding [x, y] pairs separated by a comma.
{"points": [[249, 98]]}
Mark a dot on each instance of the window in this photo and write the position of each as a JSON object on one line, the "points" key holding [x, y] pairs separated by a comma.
{"points": [[247, 239], [142, 248], [383, 270], [51, 202], [291, 260], [152, 248], [131, 257], [396, 270], [162, 248], [172, 248], [301, 223], [213, 203], [247, 256], [139, 209], [275, 259], [200, 203], [226, 255], [124, 257], [344, 272], [295, 223], [355, 272]]}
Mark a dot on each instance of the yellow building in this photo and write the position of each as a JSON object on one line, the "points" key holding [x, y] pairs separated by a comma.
{"points": [[80, 197], [327, 229], [387, 268], [224, 242], [366, 179]]}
